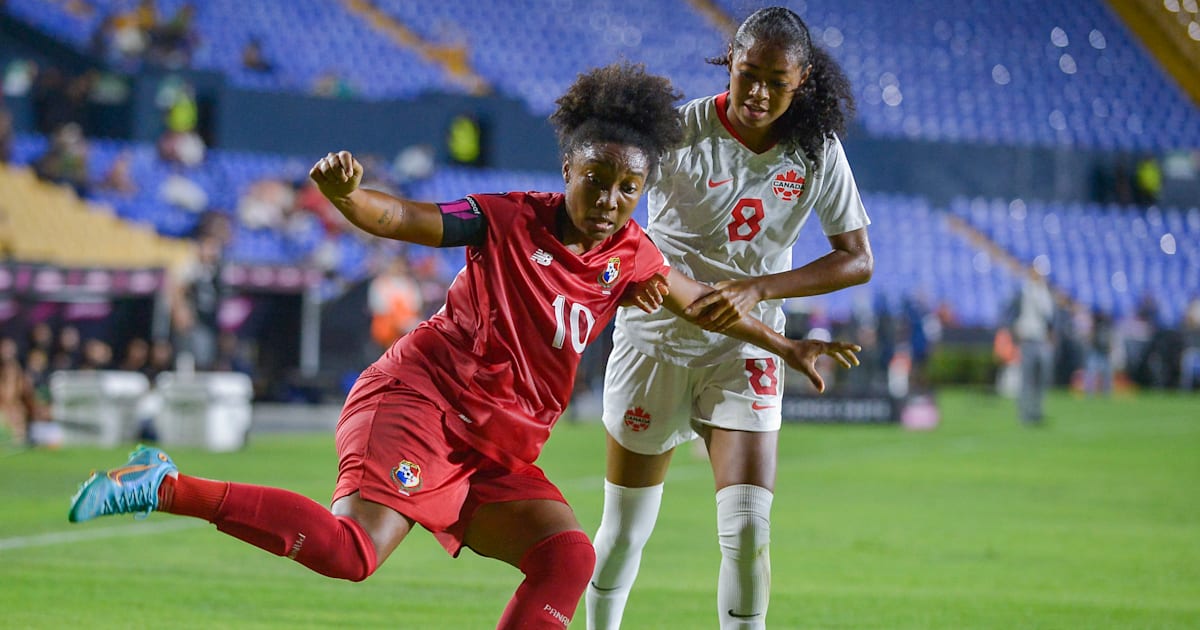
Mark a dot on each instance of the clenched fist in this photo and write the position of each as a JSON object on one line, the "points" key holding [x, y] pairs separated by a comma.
{"points": [[337, 175]]}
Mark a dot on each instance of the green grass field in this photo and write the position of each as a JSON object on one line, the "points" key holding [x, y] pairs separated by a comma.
{"points": [[1090, 522]]}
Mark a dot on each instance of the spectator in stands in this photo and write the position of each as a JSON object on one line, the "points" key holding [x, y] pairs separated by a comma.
{"points": [[66, 160], [232, 355], [196, 305], [265, 204], [253, 57], [1033, 333], [1098, 349], [1147, 181], [162, 359], [413, 163], [119, 178], [37, 368], [922, 335], [332, 84], [40, 337], [180, 142], [1189, 360], [181, 191], [97, 355], [136, 357], [68, 351], [394, 299], [173, 41], [16, 393], [51, 107], [7, 133]]}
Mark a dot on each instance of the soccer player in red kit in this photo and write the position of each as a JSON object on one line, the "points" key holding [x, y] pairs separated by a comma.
{"points": [[443, 430]]}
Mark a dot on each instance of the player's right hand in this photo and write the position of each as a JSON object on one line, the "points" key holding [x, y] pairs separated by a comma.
{"points": [[803, 356], [337, 175]]}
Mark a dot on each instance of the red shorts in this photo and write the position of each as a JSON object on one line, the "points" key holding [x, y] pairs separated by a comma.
{"points": [[394, 449]]}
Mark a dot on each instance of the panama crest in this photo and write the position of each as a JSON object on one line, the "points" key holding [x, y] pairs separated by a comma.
{"points": [[407, 475], [611, 271]]}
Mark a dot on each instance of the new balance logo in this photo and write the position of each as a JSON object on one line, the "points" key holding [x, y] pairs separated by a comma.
{"points": [[542, 258]]}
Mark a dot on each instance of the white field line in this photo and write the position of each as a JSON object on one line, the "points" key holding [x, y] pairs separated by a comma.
{"points": [[89, 534]]}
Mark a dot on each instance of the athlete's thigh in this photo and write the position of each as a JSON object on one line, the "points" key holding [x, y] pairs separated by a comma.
{"points": [[737, 410], [507, 530], [644, 409], [743, 457], [635, 470]]}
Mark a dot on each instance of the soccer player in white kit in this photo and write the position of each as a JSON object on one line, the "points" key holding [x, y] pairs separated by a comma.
{"points": [[726, 207]]}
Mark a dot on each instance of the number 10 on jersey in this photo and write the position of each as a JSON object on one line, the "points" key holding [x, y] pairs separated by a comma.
{"points": [[580, 321]]}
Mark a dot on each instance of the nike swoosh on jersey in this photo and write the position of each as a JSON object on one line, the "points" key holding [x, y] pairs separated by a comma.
{"points": [[760, 406], [714, 184]]}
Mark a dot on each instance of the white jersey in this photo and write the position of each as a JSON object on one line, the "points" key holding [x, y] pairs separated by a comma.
{"points": [[719, 211]]}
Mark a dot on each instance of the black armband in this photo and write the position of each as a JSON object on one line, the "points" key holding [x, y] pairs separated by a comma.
{"points": [[462, 223]]}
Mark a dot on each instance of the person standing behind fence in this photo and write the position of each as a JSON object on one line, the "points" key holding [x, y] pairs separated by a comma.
{"points": [[1033, 331], [197, 304]]}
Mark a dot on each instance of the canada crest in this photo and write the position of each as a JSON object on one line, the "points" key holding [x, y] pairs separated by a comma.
{"points": [[611, 270], [407, 475], [637, 419], [788, 186]]}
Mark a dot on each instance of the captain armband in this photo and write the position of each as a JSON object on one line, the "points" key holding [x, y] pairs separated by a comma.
{"points": [[462, 223]]}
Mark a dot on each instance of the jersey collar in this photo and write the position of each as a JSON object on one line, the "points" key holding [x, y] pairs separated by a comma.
{"points": [[721, 103]]}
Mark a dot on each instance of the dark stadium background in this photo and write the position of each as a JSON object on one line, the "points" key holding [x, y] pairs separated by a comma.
{"points": [[992, 137]]}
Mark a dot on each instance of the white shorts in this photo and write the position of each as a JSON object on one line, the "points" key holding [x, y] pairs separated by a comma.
{"points": [[652, 406]]}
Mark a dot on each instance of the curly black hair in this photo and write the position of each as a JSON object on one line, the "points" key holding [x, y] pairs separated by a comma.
{"points": [[619, 103], [824, 104]]}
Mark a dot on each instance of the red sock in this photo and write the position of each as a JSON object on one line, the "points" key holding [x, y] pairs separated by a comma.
{"points": [[279, 521], [191, 496], [557, 571]]}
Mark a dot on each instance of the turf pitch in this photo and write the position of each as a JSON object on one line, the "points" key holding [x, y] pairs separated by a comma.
{"points": [[1092, 521]]}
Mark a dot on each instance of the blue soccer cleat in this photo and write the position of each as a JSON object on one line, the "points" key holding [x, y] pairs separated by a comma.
{"points": [[130, 488]]}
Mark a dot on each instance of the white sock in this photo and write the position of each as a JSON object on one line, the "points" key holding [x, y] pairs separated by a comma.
{"points": [[628, 519], [744, 531]]}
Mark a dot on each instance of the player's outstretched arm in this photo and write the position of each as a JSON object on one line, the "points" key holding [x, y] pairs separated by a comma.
{"points": [[338, 176], [848, 263], [800, 355]]}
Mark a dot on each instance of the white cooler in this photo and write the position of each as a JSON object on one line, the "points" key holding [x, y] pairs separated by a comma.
{"points": [[206, 409], [97, 407]]}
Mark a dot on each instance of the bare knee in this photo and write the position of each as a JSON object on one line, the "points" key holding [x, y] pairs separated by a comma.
{"points": [[385, 527]]}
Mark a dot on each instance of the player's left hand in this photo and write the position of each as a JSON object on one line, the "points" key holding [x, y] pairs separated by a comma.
{"points": [[725, 305], [647, 295], [804, 353]]}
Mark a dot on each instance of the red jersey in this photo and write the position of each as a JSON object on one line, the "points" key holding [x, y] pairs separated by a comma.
{"points": [[502, 353]]}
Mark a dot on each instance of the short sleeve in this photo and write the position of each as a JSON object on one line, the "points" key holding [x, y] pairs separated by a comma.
{"points": [[840, 208], [648, 260]]}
